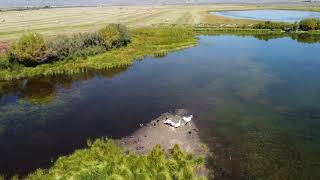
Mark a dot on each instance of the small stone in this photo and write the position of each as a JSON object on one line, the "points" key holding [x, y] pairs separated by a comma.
{"points": [[189, 132]]}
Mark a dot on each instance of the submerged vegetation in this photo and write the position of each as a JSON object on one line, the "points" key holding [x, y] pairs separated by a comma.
{"points": [[75, 54], [105, 160]]}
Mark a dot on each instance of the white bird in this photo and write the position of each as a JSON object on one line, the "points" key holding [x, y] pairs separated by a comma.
{"points": [[187, 119], [169, 122], [173, 124]]}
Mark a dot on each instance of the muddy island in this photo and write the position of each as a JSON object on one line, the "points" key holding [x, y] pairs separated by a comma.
{"points": [[158, 132]]}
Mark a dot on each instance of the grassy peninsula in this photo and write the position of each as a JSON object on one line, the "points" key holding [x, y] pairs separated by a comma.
{"points": [[104, 159], [156, 41]]}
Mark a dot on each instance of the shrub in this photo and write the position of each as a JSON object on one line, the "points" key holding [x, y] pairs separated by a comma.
{"points": [[309, 24], [115, 35], [4, 62], [273, 25], [30, 50], [77, 45]]}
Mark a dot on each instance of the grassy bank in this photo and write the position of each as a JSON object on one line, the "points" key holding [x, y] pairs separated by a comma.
{"points": [[145, 41], [105, 160]]}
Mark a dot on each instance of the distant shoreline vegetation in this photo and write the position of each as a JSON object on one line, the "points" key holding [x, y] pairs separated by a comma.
{"points": [[310, 25], [115, 46]]}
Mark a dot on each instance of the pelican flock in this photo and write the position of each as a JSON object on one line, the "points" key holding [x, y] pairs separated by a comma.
{"points": [[186, 119]]}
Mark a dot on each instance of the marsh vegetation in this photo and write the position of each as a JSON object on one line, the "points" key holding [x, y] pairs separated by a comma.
{"points": [[303, 25], [75, 54], [106, 160]]}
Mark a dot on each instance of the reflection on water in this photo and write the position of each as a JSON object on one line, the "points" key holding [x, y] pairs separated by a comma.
{"points": [[43, 89], [255, 101]]}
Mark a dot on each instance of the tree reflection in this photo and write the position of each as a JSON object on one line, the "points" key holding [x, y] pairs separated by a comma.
{"points": [[43, 90]]}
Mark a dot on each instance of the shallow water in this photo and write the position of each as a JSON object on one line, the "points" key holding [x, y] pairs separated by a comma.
{"points": [[255, 103], [269, 15]]}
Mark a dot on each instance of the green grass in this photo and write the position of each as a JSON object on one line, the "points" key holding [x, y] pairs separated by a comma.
{"points": [[145, 41], [105, 160]]}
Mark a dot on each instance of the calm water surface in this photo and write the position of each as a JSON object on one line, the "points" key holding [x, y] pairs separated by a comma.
{"points": [[270, 15], [256, 103]]}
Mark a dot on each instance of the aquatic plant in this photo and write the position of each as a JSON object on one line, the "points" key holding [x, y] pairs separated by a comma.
{"points": [[160, 54], [106, 160]]}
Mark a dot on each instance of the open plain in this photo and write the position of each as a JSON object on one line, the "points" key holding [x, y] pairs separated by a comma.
{"points": [[79, 19]]}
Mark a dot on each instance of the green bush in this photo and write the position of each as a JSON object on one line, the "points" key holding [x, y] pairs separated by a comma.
{"points": [[309, 24], [78, 45], [274, 26], [115, 35], [4, 62], [30, 50], [105, 160]]}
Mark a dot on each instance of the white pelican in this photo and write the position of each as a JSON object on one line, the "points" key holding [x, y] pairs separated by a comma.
{"points": [[173, 124], [169, 122], [187, 119]]}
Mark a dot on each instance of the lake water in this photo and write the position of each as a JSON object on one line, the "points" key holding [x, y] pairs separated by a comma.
{"points": [[255, 101], [269, 15]]}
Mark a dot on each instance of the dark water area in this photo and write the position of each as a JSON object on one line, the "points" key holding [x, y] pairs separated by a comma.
{"points": [[255, 101], [270, 15]]}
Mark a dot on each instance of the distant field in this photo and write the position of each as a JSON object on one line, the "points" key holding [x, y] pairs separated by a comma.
{"points": [[66, 20]]}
